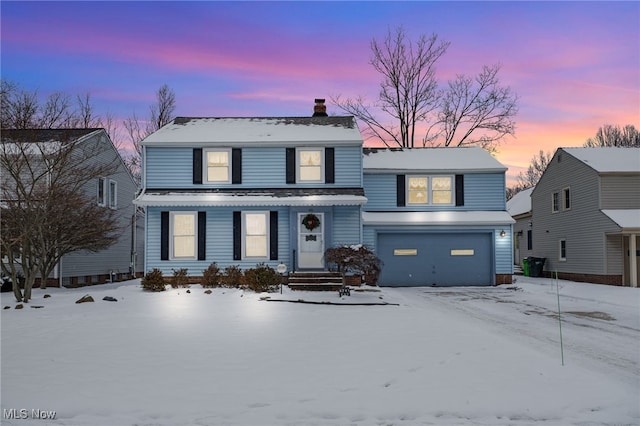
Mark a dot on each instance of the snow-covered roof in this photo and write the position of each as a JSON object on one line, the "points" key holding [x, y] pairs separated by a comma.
{"points": [[628, 219], [430, 159], [438, 218], [520, 203], [197, 199], [261, 131], [608, 159]]}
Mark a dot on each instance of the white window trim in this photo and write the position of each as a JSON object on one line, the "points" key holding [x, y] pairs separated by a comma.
{"points": [[553, 205], [564, 205], [115, 194], [560, 258], [171, 235], [205, 165], [429, 201], [102, 182], [298, 165], [266, 214]]}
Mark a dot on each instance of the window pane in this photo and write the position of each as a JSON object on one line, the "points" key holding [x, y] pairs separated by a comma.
{"points": [[218, 158], [256, 246], [184, 246], [310, 158], [256, 224], [184, 224], [441, 197], [311, 173], [112, 194], [217, 174], [441, 183], [417, 190]]}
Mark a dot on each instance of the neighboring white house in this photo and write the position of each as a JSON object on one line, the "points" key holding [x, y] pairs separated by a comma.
{"points": [[519, 207]]}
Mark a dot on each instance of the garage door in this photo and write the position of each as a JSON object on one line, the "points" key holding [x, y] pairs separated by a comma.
{"points": [[435, 259]]}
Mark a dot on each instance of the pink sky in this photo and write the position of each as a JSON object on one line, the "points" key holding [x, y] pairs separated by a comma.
{"points": [[574, 65]]}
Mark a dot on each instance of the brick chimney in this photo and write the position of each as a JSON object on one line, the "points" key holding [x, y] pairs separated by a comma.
{"points": [[319, 109]]}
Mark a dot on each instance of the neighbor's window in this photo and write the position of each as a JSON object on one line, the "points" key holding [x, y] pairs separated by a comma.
{"points": [[555, 202], [566, 197], [217, 165], [100, 190], [441, 190], [429, 190], [310, 165], [529, 240], [563, 250], [183, 238], [113, 194], [256, 234], [417, 190]]}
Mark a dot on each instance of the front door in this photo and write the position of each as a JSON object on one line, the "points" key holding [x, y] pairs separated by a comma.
{"points": [[311, 240]]}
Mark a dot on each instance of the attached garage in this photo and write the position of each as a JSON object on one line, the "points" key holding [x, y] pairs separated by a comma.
{"points": [[436, 259]]}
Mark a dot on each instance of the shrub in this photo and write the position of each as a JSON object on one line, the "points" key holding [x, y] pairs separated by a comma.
{"points": [[356, 259], [232, 277], [211, 277], [180, 278], [262, 278], [153, 281]]}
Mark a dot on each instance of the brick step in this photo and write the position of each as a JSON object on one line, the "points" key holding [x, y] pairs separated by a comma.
{"points": [[316, 281], [315, 287]]}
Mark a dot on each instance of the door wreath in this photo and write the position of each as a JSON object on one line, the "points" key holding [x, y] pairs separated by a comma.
{"points": [[311, 221]]}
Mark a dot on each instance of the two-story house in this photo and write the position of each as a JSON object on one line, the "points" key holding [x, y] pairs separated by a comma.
{"points": [[115, 191], [586, 215], [437, 216], [243, 191]]}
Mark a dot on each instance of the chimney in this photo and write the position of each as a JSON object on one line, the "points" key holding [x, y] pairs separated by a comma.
{"points": [[319, 109]]}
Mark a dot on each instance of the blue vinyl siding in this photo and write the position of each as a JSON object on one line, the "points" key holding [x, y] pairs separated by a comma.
{"points": [[481, 192], [261, 168], [346, 225], [219, 241]]}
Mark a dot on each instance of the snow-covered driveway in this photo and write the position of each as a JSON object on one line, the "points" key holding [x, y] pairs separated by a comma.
{"points": [[443, 356]]}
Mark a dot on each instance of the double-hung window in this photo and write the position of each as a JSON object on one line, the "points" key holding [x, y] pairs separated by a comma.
{"points": [[562, 254], [255, 226], [566, 199], [183, 235], [555, 202], [310, 165], [217, 165], [101, 193], [436, 190], [113, 194]]}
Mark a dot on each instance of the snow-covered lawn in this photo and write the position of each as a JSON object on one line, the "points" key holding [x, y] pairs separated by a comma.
{"points": [[444, 356]]}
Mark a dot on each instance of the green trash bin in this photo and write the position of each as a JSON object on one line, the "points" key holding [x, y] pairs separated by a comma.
{"points": [[525, 266]]}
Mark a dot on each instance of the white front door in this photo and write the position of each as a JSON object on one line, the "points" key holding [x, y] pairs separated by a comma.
{"points": [[311, 240]]}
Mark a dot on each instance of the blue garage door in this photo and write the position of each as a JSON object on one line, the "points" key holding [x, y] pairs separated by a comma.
{"points": [[435, 259]]}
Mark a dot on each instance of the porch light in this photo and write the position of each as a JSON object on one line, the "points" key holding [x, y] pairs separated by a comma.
{"points": [[502, 233]]}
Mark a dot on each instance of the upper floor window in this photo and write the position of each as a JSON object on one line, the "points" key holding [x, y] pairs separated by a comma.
{"points": [[183, 235], [101, 192], [310, 165], [217, 165], [555, 202], [430, 190], [113, 194], [566, 199]]}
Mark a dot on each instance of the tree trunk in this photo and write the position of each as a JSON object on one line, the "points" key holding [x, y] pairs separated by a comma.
{"points": [[16, 290]]}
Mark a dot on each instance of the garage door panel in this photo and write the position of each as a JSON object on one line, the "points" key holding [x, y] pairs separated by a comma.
{"points": [[440, 259]]}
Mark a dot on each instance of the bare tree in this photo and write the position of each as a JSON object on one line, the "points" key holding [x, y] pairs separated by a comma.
{"points": [[530, 177], [160, 114], [470, 111], [609, 135], [48, 205]]}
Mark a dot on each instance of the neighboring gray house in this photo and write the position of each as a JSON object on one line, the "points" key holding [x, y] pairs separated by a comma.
{"points": [[519, 207], [117, 191], [586, 215], [437, 216]]}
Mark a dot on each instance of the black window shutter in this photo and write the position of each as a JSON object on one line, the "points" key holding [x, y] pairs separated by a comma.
{"points": [[202, 235], [236, 165], [164, 235], [197, 165], [400, 190], [237, 236], [459, 190], [291, 165], [329, 165], [273, 235]]}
